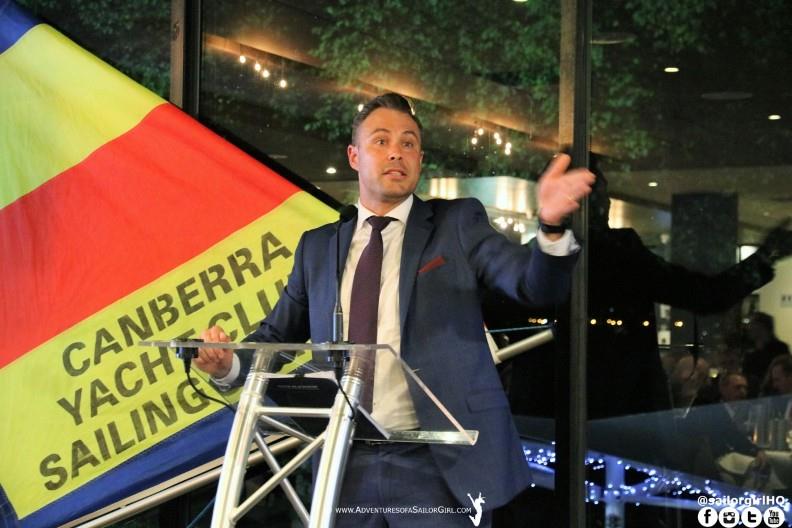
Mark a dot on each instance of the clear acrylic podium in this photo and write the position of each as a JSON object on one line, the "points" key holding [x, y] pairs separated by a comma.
{"points": [[284, 373]]}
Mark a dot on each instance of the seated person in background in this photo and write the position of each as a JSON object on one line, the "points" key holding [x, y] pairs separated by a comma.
{"points": [[688, 384], [726, 452], [765, 347], [778, 382]]}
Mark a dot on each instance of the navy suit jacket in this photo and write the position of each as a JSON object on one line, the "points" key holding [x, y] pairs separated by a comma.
{"points": [[442, 330]]}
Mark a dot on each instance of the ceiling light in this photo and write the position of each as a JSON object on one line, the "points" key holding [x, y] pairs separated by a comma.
{"points": [[480, 131], [474, 140], [653, 184], [282, 83], [774, 117], [498, 141], [671, 69], [360, 107], [330, 170], [257, 67], [242, 59], [265, 73]]}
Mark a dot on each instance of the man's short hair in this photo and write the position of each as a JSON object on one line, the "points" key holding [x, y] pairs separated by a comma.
{"points": [[725, 379], [784, 361], [390, 100]]}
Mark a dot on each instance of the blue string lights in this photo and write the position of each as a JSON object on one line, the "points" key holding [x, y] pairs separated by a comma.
{"points": [[644, 484]]}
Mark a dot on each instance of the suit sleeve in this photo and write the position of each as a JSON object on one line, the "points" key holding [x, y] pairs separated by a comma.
{"points": [[288, 321], [678, 286], [521, 273]]}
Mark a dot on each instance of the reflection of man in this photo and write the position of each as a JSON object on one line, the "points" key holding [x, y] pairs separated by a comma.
{"points": [[625, 374], [435, 257]]}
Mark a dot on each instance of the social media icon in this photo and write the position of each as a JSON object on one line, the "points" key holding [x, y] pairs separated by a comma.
{"points": [[707, 517], [774, 516], [729, 517], [751, 517]]}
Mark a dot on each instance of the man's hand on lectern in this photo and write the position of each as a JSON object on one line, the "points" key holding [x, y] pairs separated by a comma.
{"points": [[215, 361]]}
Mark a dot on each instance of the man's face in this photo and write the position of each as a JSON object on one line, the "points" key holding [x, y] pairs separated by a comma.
{"points": [[735, 389], [780, 381], [387, 156]]}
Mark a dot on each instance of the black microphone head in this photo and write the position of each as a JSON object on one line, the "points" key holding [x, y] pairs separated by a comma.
{"points": [[348, 212]]}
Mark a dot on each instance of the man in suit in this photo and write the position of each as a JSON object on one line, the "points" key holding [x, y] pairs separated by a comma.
{"points": [[436, 256]]}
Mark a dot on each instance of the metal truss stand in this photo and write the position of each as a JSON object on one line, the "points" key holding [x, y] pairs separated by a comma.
{"points": [[335, 441]]}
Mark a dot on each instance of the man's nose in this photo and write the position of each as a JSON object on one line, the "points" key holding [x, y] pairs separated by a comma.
{"points": [[395, 154]]}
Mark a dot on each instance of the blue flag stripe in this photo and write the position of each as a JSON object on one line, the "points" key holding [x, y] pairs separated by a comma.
{"points": [[197, 444], [14, 22]]}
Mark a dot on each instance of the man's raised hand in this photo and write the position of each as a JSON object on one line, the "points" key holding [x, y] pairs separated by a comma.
{"points": [[558, 192]]}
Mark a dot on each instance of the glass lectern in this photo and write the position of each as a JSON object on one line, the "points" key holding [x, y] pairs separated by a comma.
{"points": [[294, 389]]}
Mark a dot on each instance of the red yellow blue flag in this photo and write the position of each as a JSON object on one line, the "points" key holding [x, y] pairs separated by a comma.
{"points": [[121, 219]]}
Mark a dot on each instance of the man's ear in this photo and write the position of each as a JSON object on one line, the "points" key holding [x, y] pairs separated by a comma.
{"points": [[352, 156]]}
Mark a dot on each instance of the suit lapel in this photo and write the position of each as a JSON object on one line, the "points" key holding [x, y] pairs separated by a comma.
{"points": [[416, 235]]}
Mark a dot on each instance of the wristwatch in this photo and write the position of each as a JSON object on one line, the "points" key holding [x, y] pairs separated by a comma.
{"points": [[552, 228]]}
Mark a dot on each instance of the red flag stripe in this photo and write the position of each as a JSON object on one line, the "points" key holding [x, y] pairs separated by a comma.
{"points": [[118, 220]]}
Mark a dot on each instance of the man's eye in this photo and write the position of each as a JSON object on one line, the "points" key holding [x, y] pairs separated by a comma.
{"points": [[408, 144], [379, 141]]}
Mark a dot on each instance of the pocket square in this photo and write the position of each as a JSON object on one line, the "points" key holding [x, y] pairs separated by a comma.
{"points": [[432, 264]]}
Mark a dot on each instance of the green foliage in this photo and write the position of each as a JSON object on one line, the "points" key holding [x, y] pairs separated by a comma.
{"points": [[133, 36], [480, 56]]}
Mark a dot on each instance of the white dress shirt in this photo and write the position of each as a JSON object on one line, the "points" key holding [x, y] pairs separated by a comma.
{"points": [[393, 407]]}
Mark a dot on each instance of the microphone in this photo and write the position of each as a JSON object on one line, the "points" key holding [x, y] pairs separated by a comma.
{"points": [[348, 212]]}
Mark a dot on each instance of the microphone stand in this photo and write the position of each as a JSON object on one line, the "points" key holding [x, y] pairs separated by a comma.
{"points": [[338, 356]]}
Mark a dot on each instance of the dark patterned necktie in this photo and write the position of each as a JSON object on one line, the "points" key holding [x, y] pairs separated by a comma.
{"points": [[364, 307]]}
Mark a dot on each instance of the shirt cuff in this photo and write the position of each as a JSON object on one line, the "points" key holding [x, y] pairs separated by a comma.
{"points": [[226, 381], [564, 246]]}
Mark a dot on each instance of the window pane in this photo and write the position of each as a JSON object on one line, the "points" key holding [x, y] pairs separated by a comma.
{"points": [[288, 77], [483, 79], [691, 141]]}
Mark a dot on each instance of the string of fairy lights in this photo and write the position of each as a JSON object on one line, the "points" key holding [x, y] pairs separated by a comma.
{"points": [[494, 138], [264, 72], [656, 485]]}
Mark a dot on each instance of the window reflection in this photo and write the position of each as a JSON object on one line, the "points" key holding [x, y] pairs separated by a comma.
{"points": [[703, 173]]}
